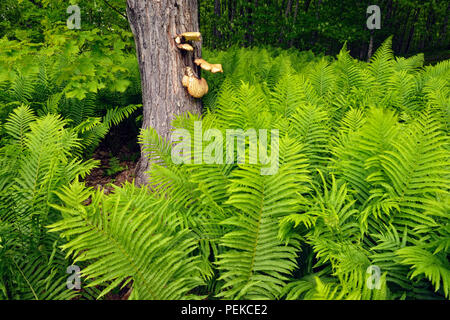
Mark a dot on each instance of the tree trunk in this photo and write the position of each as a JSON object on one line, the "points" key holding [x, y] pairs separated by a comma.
{"points": [[370, 51], [230, 9], [216, 32], [430, 22], [403, 34], [288, 9], [307, 4], [411, 31], [315, 36], [445, 25], [286, 14], [291, 42], [249, 25], [155, 24], [296, 10], [389, 10]]}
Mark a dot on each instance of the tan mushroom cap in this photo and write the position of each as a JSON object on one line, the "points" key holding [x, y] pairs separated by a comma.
{"points": [[185, 46], [194, 36], [216, 68], [205, 65], [197, 87]]}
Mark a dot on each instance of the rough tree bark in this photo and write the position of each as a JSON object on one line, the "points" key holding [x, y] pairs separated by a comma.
{"points": [[155, 24]]}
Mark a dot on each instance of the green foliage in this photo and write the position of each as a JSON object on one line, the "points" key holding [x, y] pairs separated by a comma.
{"points": [[323, 26], [36, 160], [129, 242], [30, 19], [362, 183], [362, 180], [256, 263], [114, 166], [77, 77]]}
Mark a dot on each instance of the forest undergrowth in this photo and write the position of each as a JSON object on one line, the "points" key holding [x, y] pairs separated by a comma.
{"points": [[358, 209]]}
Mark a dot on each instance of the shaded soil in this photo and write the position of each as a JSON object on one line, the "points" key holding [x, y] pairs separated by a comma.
{"points": [[118, 154], [112, 171]]}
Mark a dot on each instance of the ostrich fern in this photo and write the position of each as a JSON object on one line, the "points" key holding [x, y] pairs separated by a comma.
{"points": [[35, 161], [363, 183]]}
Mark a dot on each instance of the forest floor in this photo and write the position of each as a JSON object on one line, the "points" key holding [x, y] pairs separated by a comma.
{"points": [[113, 169], [118, 154]]}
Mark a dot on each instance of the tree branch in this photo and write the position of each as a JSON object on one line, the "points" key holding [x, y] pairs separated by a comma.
{"points": [[115, 9]]}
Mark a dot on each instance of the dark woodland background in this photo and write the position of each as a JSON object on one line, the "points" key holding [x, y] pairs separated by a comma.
{"points": [[318, 25]]}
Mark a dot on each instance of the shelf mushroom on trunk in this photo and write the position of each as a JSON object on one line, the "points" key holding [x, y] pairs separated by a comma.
{"points": [[205, 65], [181, 40], [196, 87]]}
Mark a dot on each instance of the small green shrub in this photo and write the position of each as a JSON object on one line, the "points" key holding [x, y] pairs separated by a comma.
{"points": [[114, 167]]}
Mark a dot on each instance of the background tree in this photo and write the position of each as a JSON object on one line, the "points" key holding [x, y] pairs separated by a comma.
{"points": [[324, 25]]}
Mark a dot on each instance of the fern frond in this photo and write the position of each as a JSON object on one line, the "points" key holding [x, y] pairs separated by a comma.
{"points": [[128, 244], [434, 266], [256, 263], [18, 124], [381, 65]]}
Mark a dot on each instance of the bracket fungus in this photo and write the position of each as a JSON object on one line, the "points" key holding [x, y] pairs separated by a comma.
{"points": [[185, 46], [181, 40], [196, 87], [205, 65], [194, 36]]}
